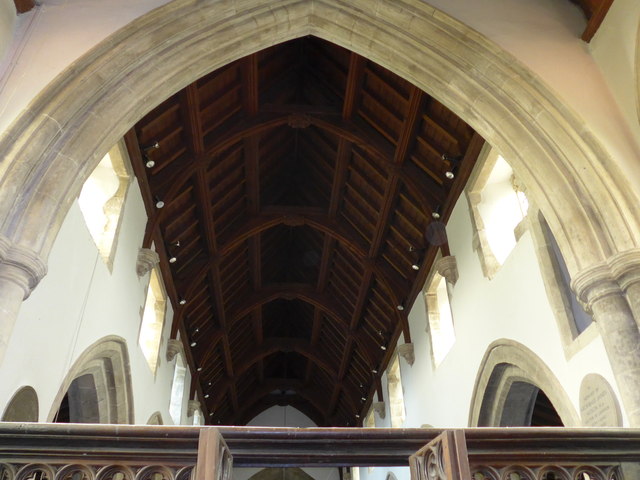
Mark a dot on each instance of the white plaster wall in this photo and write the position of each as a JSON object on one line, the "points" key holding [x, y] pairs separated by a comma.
{"points": [[513, 305], [614, 48], [50, 37], [282, 417], [277, 416], [7, 25], [543, 34], [79, 302]]}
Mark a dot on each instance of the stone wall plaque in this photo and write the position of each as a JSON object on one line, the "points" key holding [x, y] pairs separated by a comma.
{"points": [[598, 404]]}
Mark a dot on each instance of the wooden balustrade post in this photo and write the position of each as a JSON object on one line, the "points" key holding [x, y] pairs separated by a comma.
{"points": [[214, 458], [444, 458]]}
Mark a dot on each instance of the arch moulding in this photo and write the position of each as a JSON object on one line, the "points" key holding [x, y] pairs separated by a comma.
{"points": [[513, 362], [54, 145], [638, 72], [107, 360]]}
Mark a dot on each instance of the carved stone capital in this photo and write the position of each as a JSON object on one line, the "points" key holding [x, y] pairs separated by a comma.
{"points": [[192, 407], [448, 268], [406, 351], [595, 283], [174, 347], [612, 277], [21, 266], [378, 407], [625, 267], [147, 260]]}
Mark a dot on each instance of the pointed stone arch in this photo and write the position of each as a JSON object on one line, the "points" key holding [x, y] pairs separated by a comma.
{"points": [[155, 419], [23, 406], [638, 72], [509, 366], [53, 146], [106, 365]]}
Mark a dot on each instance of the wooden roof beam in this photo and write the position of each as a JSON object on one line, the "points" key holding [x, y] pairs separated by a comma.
{"points": [[269, 347], [289, 291], [595, 19], [315, 333], [338, 230]]}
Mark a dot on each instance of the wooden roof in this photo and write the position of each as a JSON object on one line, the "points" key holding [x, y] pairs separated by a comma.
{"points": [[299, 183]]}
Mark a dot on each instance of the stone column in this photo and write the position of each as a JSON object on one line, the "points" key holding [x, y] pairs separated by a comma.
{"points": [[20, 271], [605, 299], [626, 269]]}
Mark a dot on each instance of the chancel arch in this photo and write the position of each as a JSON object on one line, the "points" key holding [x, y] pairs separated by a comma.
{"points": [[53, 147], [23, 406], [514, 387], [97, 388]]}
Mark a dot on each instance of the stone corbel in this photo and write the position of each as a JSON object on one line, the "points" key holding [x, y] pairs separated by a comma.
{"points": [[174, 347], [406, 351], [448, 268], [378, 407], [147, 260], [192, 407]]}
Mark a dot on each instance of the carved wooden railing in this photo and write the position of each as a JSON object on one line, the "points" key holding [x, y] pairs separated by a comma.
{"points": [[527, 455], [117, 452]]}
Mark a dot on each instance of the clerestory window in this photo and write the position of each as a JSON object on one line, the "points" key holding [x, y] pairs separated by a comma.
{"points": [[153, 320], [396, 395], [102, 199], [177, 390], [438, 303], [498, 207]]}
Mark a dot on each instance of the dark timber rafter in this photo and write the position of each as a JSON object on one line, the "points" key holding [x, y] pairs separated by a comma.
{"points": [[339, 231], [295, 179], [252, 168], [391, 191], [351, 133], [194, 129], [354, 81]]}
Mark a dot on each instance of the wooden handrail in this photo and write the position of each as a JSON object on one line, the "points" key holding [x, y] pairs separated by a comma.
{"points": [[303, 447]]}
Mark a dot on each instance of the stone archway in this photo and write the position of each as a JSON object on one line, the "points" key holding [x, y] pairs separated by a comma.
{"points": [[638, 72], [53, 146], [23, 406], [155, 419], [509, 373], [105, 366]]}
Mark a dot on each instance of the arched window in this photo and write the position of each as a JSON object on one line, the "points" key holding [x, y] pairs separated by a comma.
{"points": [[102, 198], [439, 314], [177, 390], [396, 395], [498, 206], [153, 320]]}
